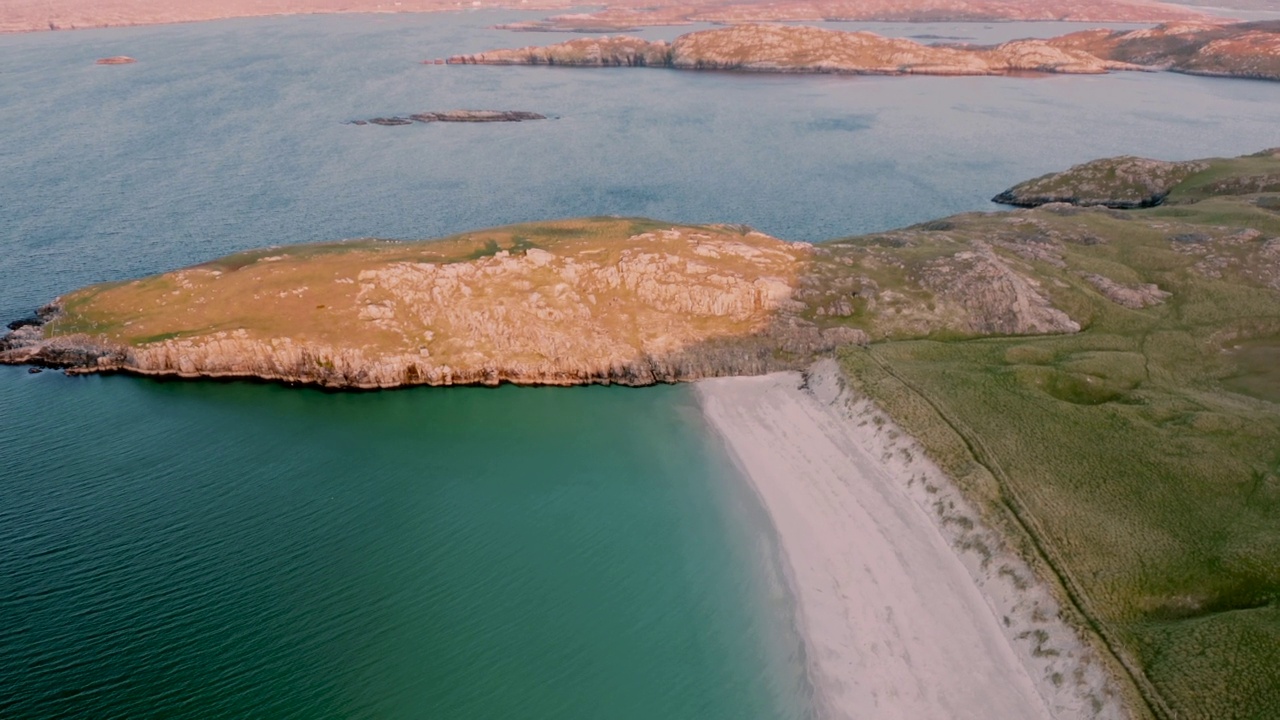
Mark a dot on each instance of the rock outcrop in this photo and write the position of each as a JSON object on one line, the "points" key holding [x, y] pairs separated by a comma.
{"points": [[571, 302], [1123, 182], [633, 301], [454, 116], [785, 48]]}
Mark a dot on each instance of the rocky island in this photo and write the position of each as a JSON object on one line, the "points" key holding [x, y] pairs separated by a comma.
{"points": [[786, 48], [454, 116], [1248, 50], [116, 60]]}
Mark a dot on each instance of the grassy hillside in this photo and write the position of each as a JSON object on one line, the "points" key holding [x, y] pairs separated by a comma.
{"points": [[1139, 458]]}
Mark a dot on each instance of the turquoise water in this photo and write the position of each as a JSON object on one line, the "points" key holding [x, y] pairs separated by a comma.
{"points": [[239, 550], [211, 549]]}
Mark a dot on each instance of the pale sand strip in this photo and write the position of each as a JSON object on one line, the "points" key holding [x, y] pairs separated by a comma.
{"points": [[897, 621]]}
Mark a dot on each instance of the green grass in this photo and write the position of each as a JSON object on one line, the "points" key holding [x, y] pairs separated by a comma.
{"points": [[1138, 460]]}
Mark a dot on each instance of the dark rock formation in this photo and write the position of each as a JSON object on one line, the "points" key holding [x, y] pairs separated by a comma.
{"points": [[456, 116]]}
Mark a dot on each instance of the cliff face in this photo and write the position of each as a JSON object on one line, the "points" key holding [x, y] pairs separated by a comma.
{"points": [[570, 302], [599, 301], [784, 48]]}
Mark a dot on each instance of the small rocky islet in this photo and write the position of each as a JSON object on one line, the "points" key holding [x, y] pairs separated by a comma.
{"points": [[635, 301], [453, 116]]}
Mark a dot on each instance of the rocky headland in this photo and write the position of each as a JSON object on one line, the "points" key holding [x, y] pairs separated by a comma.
{"points": [[1122, 183], [1249, 50], [453, 116], [786, 48], [611, 300]]}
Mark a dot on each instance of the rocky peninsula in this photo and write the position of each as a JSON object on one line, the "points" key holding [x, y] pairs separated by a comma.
{"points": [[628, 301], [1249, 50]]}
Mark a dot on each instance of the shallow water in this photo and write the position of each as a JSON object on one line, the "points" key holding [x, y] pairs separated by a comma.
{"points": [[184, 549], [1259, 369]]}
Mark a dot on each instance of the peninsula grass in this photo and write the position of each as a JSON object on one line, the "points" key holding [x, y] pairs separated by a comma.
{"points": [[1139, 459]]}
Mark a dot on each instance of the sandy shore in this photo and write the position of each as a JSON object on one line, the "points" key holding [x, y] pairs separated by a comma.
{"points": [[898, 621]]}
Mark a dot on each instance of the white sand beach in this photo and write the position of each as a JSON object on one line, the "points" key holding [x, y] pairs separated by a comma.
{"points": [[897, 622]]}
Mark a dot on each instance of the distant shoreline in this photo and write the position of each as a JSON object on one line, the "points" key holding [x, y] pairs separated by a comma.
{"points": [[32, 16]]}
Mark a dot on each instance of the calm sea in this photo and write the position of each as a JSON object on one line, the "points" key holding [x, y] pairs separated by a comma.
{"points": [[239, 550]]}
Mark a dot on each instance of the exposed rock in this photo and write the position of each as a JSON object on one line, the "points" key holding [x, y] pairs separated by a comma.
{"points": [[1134, 297], [620, 51], [1123, 182], [477, 116], [1001, 300], [455, 116]]}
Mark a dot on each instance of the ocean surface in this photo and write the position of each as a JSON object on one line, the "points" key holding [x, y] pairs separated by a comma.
{"points": [[172, 549]]}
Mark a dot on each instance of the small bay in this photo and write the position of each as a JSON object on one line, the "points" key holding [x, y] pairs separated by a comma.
{"points": [[172, 549]]}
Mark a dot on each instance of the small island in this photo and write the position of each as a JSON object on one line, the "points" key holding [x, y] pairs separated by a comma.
{"points": [[453, 116], [116, 60]]}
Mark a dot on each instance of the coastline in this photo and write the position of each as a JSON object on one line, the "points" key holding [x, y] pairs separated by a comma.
{"points": [[903, 614]]}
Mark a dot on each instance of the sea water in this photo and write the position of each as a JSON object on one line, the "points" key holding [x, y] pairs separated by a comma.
{"points": [[173, 549]]}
